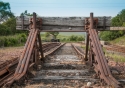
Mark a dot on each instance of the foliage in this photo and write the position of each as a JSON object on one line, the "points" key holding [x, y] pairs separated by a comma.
{"points": [[47, 34], [9, 27], [64, 38], [14, 40], [118, 20], [76, 38], [11, 24], [4, 30], [25, 13], [5, 11], [111, 35], [54, 34], [73, 38]]}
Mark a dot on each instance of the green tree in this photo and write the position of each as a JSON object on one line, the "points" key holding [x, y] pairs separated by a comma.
{"points": [[73, 38], [118, 20], [4, 30], [5, 11], [47, 34], [11, 24], [54, 34]]}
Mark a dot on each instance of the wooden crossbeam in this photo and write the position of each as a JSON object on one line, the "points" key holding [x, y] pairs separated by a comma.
{"points": [[62, 24]]}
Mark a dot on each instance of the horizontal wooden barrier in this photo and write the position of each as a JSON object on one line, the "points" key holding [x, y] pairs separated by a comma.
{"points": [[63, 24]]}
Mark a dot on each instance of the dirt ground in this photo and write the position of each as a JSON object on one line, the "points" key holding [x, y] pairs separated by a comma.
{"points": [[9, 53]]}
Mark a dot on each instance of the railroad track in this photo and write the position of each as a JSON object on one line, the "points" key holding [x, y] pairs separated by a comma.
{"points": [[7, 68], [64, 69]]}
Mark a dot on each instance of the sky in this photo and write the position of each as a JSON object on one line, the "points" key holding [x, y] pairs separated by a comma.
{"points": [[67, 7]]}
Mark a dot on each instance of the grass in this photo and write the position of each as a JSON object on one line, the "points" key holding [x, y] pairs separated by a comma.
{"points": [[119, 41], [116, 57], [83, 46]]}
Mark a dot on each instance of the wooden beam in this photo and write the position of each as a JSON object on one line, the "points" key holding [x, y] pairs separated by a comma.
{"points": [[72, 21], [63, 23], [117, 28], [62, 28]]}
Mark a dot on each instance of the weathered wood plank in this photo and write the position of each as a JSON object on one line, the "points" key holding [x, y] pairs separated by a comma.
{"points": [[72, 21], [62, 23], [62, 64], [62, 28], [19, 20], [117, 28], [64, 78], [64, 71]]}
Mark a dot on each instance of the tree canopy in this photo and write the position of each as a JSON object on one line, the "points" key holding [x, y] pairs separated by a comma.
{"points": [[54, 34], [5, 11], [118, 20]]}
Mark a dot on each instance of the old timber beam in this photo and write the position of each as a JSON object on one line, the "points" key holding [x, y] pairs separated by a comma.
{"points": [[63, 24]]}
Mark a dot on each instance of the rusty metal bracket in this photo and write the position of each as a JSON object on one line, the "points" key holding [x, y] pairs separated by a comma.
{"points": [[87, 23]]}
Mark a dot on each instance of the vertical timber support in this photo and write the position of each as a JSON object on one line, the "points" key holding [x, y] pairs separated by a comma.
{"points": [[40, 46], [34, 20], [87, 46], [87, 40], [91, 21], [35, 45], [91, 56], [36, 53]]}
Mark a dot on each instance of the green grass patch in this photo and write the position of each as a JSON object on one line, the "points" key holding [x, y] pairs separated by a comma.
{"points": [[119, 41], [116, 57], [83, 46]]}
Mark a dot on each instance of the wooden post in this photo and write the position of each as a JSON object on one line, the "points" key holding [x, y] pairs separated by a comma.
{"points": [[34, 20], [87, 43], [87, 46], [85, 37], [40, 46]]}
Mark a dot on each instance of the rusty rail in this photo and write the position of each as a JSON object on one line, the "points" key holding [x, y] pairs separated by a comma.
{"points": [[97, 57], [30, 55], [7, 68], [79, 53]]}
